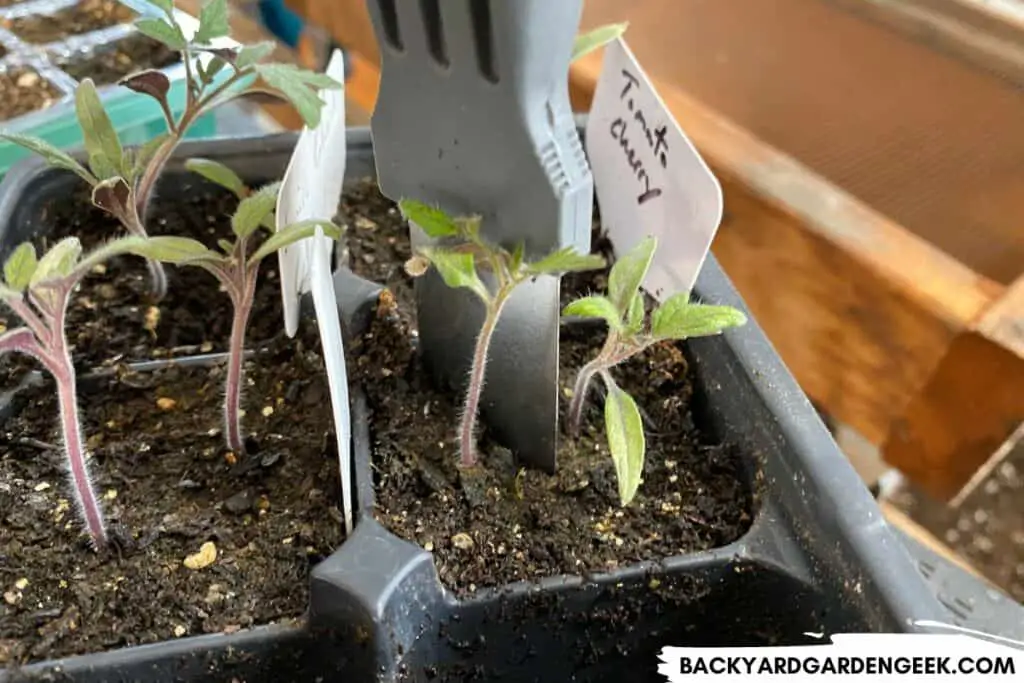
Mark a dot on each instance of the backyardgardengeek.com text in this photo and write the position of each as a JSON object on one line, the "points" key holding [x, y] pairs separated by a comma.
{"points": [[848, 665]]}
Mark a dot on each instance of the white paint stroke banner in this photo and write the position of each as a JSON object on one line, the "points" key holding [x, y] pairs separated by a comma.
{"points": [[961, 655]]}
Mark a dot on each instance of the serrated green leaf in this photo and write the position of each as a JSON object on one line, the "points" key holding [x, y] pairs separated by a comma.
{"points": [[213, 22], [250, 55], [100, 137], [635, 316], [457, 269], [432, 220], [595, 307], [293, 233], [677, 318], [58, 262], [20, 266], [172, 249], [625, 431], [218, 173], [159, 30], [629, 271], [588, 42], [53, 156], [298, 86], [254, 209], [566, 261]]}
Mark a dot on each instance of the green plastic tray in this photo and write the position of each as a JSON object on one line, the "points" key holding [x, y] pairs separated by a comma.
{"points": [[136, 118]]}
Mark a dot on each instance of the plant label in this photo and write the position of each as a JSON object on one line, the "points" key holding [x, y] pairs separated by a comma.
{"points": [[310, 190], [648, 177]]}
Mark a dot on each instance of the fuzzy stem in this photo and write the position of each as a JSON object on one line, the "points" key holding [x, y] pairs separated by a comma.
{"points": [[144, 190], [29, 317], [467, 428], [579, 393], [63, 371], [233, 385]]}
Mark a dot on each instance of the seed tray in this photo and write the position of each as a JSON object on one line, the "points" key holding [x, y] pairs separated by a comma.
{"points": [[99, 42]]}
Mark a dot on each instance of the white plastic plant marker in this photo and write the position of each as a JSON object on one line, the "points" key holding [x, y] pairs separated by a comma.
{"points": [[648, 176], [310, 190]]}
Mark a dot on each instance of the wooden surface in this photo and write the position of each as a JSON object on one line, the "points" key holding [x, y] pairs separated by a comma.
{"points": [[972, 403], [869, 226], [925, 138], [986, 34]]}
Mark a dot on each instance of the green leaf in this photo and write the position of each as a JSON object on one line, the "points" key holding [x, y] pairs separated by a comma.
{"points": [[165, 5], [299, 87], [250, 55], [226, 246], [58, 262], [109, 250], [171, 249], [518, 254], [457, 269], [215, 66], [435, 222], [8, 293], [293, 233], [635, 316], [213, 22], [217, 172], [590, 41], [20, 267], [159, 30], [595, 307], [629, 271], [677, 318], [100, 137], [53, 156], [625, 430], [566, 261], [254, 209]]}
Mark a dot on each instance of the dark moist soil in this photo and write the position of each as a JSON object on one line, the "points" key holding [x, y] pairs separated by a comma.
{"points": [[83, 17], [22, 91], [111, 63], [167, 482], [500, 525], [111, 319]]}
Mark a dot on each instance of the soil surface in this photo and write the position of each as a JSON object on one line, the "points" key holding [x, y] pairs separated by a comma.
{"points": [[83, 17], [22, 91], [111, 63], [168, 486], [111, 319], [498, 524]]}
